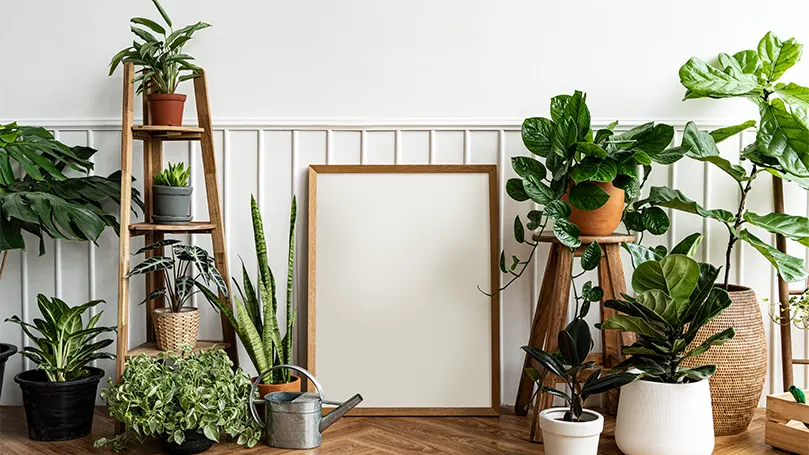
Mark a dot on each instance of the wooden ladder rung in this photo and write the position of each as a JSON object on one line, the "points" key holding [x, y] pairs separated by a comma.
{"points": [[800, 361], [167, 133], [195, 227]]}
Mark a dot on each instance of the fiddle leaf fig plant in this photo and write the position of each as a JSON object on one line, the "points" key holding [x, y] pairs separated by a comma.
{"points": [[781, 147], [676, 297]]}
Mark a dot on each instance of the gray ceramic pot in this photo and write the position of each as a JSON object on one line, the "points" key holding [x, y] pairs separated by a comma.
{"points": [[171, 204]]}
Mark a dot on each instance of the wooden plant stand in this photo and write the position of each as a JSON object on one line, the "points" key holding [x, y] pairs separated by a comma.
{"points": [[784, 429], [549, 317], [153, 137]]}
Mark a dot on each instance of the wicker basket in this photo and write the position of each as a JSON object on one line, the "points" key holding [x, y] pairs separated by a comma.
{"points": [[174, 329], [741, 362]]}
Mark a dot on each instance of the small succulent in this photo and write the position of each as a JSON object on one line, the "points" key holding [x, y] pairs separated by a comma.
{"points": [[176, 175]]}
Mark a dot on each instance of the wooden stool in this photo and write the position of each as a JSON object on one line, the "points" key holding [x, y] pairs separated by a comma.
{"points": [[550, 316]]}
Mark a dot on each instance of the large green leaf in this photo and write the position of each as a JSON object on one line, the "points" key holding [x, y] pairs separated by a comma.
{"points": [[720, 134], [676, 275], [525, 166], [538, 191], [567, 233], [714, 340], [588, 196], [631, 324], [591, 257], [607, 383], [749, 61], [666, 197], [536, 135], [705, 80], [702, 146], [688, 246], [655, 220], [546, 360], [696, 374], [152, 264], [789, 267], [784, 136], [654, 140], [557, 210], [793, 93], [641, 254], [515, 190], [594, 169], [792, 227], [777, 56], [591, 149], [565, 136]]}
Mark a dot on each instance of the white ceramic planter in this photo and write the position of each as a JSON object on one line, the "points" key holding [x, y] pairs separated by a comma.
{"points": [[665, 419], [570, 438]]}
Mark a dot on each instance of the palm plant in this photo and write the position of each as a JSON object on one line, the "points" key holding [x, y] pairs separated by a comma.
{"points": [[164, 65], [37, 197], [259, 332], [66, 345]]}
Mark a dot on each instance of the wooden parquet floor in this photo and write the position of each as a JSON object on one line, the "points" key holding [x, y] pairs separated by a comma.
{"points": [[373, 436]]}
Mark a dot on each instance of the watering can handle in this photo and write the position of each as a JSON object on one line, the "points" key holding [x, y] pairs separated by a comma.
{"points": [[254, 412]]}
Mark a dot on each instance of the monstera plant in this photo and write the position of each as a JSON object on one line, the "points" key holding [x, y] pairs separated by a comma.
{"points": [[781, 147], [37, 196]]}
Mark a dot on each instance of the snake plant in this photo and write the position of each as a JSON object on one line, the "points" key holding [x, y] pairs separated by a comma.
{"points": [[65, 344], [255, 320]]}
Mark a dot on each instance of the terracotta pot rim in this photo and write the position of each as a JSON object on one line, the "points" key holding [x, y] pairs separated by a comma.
{"points": [[167, 96], [294, 380]]}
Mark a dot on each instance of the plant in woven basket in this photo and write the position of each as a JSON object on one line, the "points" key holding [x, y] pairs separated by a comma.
{"points": [[182, 280], [176, 175], [676, 297], [65, 345], [575, 342], [256, 309], [169, 395]]}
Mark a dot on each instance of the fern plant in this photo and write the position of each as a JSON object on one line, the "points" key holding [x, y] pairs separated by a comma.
{"points": [[176, 175], [255, 320]]}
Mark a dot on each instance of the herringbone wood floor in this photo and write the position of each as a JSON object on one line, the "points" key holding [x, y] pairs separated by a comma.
{"points": [[373, 435]]}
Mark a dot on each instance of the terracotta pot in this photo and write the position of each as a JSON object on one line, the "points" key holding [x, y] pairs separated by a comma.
{"points": [[292, 386], [741, 363], [166, 109], [603, 220], [175, 329]]}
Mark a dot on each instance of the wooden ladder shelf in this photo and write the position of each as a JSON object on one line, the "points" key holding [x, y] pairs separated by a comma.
{"points": [[153, 137]]}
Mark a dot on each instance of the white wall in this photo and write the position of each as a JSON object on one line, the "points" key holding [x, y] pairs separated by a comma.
{"points": [[415, 81]]}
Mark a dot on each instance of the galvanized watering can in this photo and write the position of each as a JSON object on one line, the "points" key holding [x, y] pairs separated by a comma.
{"points": [[294, 420]]}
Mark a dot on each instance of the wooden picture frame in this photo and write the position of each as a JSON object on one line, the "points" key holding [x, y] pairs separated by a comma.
{"points": [[483, 406]]}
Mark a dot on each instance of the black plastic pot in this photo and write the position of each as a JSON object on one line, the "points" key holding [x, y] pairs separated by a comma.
{"points": [[194, 443], [6, 351], [57, 411]]}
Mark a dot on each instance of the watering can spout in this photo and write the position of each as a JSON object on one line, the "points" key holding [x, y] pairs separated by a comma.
{"points": [[340, 411]]}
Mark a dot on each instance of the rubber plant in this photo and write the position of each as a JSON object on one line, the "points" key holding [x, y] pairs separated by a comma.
{"points": [[573, 153], [675, 298], [255, 319], [575, 343], [781, 148], [37, 196]]}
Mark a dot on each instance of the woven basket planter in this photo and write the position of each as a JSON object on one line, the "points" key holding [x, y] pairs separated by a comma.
{"points": [[741, 362], [174, 329]]}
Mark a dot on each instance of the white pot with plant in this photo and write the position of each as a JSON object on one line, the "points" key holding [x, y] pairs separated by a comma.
{"points": [[573, 429], [162, 63], [668, 410], [177, 324]]}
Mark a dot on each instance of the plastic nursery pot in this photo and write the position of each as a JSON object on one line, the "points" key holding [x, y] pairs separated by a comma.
{"points": [[166, 109], [175, 329], [665, 419], [171, 204], [194, 443], [58, 411], [566, 438], [603, 220], [6, 351]]}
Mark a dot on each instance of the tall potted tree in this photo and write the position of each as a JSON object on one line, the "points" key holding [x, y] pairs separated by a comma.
{"points": [[779, 150]]}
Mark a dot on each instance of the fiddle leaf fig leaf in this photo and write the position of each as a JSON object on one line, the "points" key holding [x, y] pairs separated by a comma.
{"points": [[784, 135], [641, 254], [777, 56], [688, 246], [588, 196], [676, 275], [721, 134], [703, 79], [792, 227], [702, 146], [666, 197], [789, 267], [793, 93], [749, 62]]}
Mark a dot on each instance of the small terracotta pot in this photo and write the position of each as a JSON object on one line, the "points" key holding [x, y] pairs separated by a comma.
{"points": [[603, 220], [292, 386], [166, 109]]}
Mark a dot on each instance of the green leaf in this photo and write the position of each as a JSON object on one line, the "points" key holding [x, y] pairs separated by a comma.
{"points": [[594, 169], [162, 12], [698, 373], [533, 373], [567, 233], [659, 303], [558, 210], [503, 267], [705, 80], [666, 197], [778, 56], [591, 256], [514, 262], [654, 140], [630, 185], [789, 267], [676, 275], [633, 220], [702, 146], [538, 191], [631, 324], [793, 93], [536, 135], [721, 134], [149, 23], [546, 360], [655, 220], [525, 167], [514, 189], [152, 264], [519, 231], [588, 196], [792, 227], [688, 246], [591, 149], [556, 392], [797, 394], [784, 136], [591, 293], [641, 254], [568, 348], [535, 219], [156, 245], [564, 137], [607, 383], [749, 62], [714, 340]]}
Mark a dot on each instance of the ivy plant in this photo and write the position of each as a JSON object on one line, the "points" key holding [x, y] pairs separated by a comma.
{"points": [[781, 147], [675, 298], [575, 342], [168, 394]]}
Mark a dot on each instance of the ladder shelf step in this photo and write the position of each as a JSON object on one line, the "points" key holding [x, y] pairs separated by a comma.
{"points": [[151, 349], [167, 133], [195, 227]]}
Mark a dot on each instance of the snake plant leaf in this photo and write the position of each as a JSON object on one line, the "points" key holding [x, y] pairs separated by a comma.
{"points": [[640, 253], [587, 196], [714, 340], [777, 56], [789, 267], [514, 189], [703, 79], [250, 298], [784, 135], [525, 166], [793, 94], [251, 339], [792, 227], [567, 233], [632, 324], [536, 135], [666, 197], [591, 256], [594, 169], [291, 312], [156, 245], [689, 245], [546, 360], [152, 264]]}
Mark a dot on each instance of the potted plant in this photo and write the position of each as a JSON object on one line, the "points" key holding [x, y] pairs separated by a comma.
{"points": [[779, 150], [255, 319], [59, 396], [6, 351], [187, 401], [676, 297], [574, 429], [172, 195], [177, 324], [163, 64]]}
